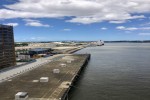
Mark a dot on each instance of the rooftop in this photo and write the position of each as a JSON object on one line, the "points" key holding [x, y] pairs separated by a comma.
{"points": [[6, 26], [39, 49]]}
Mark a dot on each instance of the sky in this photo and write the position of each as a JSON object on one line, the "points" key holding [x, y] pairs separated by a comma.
{"points": [[81, 20]]}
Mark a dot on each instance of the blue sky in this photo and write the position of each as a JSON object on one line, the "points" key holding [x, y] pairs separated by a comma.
{"points": [[51, 20]]}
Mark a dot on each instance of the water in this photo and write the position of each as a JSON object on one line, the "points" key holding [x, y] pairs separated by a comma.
{"points": [[118, 71]]}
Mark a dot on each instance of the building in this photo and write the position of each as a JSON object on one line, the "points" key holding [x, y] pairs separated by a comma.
{"points": [[37, 51], [24, 57], [7, 50]]}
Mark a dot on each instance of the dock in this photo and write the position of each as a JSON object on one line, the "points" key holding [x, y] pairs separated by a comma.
{"points": [[58, 85]]}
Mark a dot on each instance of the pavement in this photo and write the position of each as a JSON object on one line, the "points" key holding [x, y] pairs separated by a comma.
{"points": [[10, 73], [54, 89]]}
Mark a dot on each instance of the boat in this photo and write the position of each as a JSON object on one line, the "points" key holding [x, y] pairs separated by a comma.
{"points": [[100, 43]]}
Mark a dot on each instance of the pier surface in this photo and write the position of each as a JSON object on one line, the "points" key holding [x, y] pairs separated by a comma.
{"points": [[54, 89]]}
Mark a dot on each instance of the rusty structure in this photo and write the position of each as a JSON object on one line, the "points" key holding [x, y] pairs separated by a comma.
{"points": [[7, 49]]}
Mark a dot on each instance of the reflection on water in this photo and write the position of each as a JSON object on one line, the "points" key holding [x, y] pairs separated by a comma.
{"points": [[116, 71]]}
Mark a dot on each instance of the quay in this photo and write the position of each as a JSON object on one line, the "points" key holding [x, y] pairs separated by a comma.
{"points": [[56, 87]]}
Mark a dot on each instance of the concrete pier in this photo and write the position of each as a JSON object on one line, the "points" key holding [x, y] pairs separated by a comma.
{"points": [[55, 88]]}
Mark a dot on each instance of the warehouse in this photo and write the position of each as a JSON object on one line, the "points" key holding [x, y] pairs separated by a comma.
{"points": [[39, 51]]}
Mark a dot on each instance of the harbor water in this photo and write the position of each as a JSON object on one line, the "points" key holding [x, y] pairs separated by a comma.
{"points": [[116, 71]]}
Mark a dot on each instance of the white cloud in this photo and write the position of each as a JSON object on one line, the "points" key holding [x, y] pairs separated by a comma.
{"points": [[120, 27], [144, 34], [117, 22], [145, 28], [32, 38], [36, 23], [82, 11], [146, 24], [103, 28], [12, 24], [36, 38], [132, 28], [66, 29]]}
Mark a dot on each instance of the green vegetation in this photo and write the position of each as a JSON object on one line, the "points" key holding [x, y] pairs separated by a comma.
{"points": [[23, 60], [21, 44]]}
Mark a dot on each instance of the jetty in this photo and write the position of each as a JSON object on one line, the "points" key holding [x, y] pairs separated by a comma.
{"points": [[51, 81]]}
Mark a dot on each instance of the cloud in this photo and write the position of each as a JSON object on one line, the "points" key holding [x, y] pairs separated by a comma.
{"points": [[117, 21], [12, 24], [36, 23], [145, 24], [79, 11], [66, 29], [36, 38], [132, 28], [127, 29], [144, 34], [103, 28], [120, 27]]}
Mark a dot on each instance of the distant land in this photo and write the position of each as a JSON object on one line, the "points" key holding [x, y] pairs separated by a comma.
{"points": [[128, 41], [77, 41]]}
